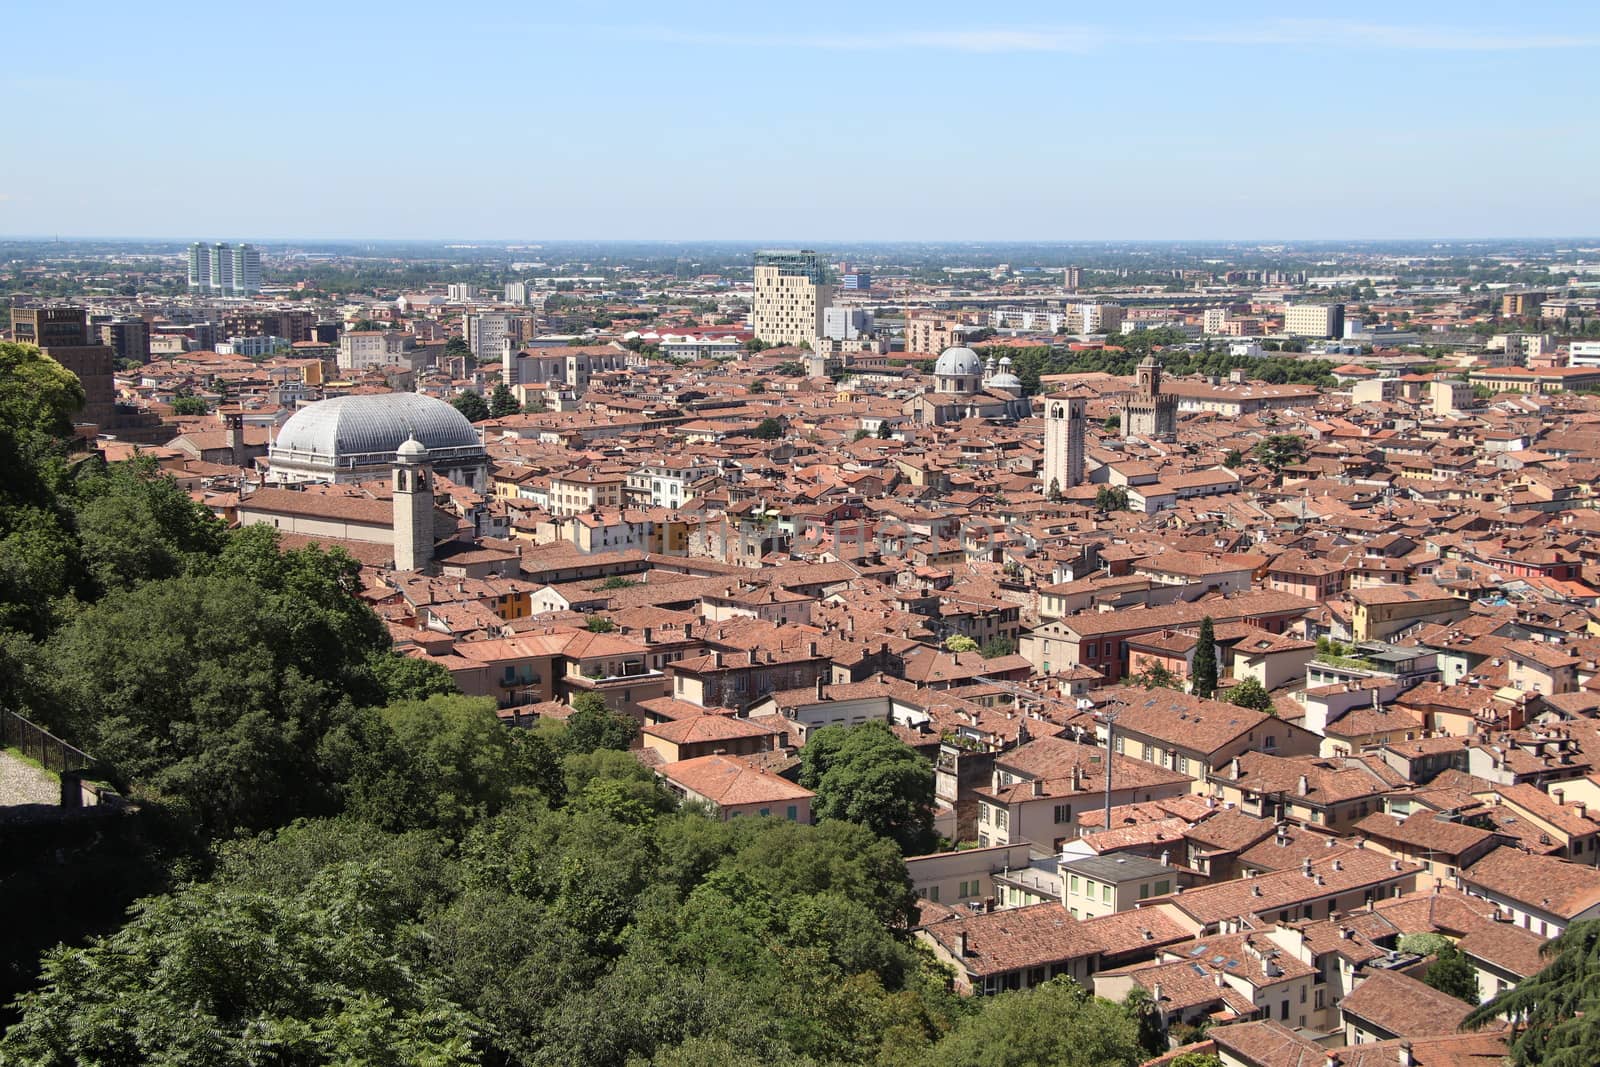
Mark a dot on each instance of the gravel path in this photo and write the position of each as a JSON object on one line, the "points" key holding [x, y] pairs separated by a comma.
{"points": [[23, 783]]}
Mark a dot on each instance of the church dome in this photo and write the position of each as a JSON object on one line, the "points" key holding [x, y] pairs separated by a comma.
{"points": [[364, 429], [1007, 381], [956, 362]]}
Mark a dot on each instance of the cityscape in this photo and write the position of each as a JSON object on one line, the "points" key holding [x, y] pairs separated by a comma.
{"points": [[891, 538]]}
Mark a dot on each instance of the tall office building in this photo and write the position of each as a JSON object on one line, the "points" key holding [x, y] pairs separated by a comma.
{"points": [[488, 331], [1063, 442], [246, 270], [461, 292], [1314, 320], [225, 269], [790, 297], [199, 266], [1072, 278]]}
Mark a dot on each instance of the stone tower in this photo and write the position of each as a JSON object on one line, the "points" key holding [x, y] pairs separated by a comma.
{"points": [[1063, 442], [413, 507], [1149, 413]]}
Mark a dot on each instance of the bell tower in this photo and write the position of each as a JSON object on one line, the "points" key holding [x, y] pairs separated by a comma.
{"points": [[413, 507]]}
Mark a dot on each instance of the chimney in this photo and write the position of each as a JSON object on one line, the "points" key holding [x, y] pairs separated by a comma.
{"points": [[1332, 1060], [1405, 1054], [1155, 995], [716, 660], [1582, 808], [1233, 769], [812, 649], [1038, 787], [961, 943], [647, 634], [1560, 795], [688, 630], [1304, 786], [822, 684]]}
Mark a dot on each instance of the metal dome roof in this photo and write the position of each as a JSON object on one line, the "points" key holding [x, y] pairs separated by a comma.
{"points": [[347, 427], [958, 361]]}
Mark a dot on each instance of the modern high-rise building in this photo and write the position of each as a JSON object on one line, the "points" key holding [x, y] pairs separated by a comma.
{"points": [[461, 292], [226, 269], [1063, 442], [790, 297], [846, 324], [859, 279], [1314, 320], [516, 292], [1149, 413], [488, 331], [1072, 278]]}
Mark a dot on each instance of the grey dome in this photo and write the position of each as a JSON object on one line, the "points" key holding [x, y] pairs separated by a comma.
{"points": [[350, 428], [1007, 381], [958, 361]]}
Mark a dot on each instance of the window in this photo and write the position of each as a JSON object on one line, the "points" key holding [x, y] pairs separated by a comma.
{"points": [[983, 811], [794, 814], [1183, 764], [1302, 994], [1002, 818], [1270, 742], [1105, 894], [764, 811], [1074, 885], [1149, 754], [1163, 887], [1063, 813], [933, 894], [1322, 997], [1144, 890]]}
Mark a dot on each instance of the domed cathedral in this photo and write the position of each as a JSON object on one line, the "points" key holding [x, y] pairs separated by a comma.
{"points": [[965, 388], [1149, 413], [358, 438]]}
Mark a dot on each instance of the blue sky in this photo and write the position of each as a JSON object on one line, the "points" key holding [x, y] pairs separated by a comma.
{"points": [[824, 121]]}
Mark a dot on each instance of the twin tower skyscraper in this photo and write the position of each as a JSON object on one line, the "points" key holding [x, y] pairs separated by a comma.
{"points": [[228, 270]]}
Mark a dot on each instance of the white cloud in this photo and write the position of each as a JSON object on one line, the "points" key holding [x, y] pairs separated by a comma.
{"points": [[1059, 39], [1331, 34], [1338, 33]]}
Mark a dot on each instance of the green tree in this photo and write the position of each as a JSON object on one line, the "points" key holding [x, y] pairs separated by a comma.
{"points": [[1055, 496], [598, 624], [592, 725], [1559, 1007], [885, 430], [473, 406], [1233, 460], [1280, 450], [402, 677], [960, 643], [189, 405], [1057, 1024], [1111, 498], [996, 647], [1203, 678], [136, 525], [1156, 675], [866, 774], [457, 346], [1250, 693], [220, 974], [768, 429], [1451, 972], [502, 402]]}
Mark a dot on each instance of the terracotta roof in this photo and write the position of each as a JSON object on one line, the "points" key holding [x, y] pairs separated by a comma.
{"points": [[1545, 883], [727, 782], [1013, 938], [703, 728], [1509, 947], [1403, 1006]]}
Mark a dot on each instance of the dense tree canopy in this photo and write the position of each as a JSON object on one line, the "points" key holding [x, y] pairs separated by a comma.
{"points": [[867, 775]]}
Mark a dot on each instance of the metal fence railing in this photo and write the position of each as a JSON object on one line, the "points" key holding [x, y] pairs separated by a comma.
{"points": [[40, 745]]}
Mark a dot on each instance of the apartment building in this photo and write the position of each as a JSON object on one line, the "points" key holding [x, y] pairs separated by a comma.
{"points": [[1314, 320], [790, 297]]}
